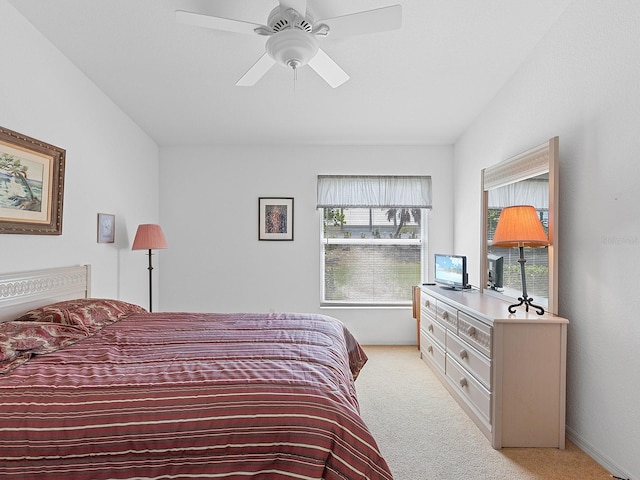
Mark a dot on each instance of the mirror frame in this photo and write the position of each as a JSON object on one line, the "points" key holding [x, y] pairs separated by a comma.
{"points": [[536, 161]]}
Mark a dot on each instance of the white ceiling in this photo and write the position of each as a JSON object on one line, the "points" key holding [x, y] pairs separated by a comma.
{"points": [[422, 84]]}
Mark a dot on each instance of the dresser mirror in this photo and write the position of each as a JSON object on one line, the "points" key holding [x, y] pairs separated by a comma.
{"points": [[530, 178]]}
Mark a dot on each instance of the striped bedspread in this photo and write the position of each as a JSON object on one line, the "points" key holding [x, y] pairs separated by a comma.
{"points": [[191, 396]]}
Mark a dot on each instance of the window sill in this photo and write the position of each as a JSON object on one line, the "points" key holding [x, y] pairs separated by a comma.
{"points": [[372, 306]]}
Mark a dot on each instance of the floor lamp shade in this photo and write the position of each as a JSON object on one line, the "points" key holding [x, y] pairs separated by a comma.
{"points": [[149, 237]]}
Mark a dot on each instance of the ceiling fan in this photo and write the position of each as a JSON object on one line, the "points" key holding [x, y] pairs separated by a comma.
{"points": [[293, 34]]}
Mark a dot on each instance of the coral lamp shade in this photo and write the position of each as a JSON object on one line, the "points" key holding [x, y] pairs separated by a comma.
{"points": [[519, 226], [149, 237]]}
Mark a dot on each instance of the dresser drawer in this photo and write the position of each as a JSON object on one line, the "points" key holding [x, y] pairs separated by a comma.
{"points": [[427, 304], [433, 329], [447, 315], [467, 356], [476, 333], [431, 352], [470, 389]]}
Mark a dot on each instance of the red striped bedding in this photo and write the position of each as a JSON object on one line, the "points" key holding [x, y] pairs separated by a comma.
{"points": [[191, 396]]}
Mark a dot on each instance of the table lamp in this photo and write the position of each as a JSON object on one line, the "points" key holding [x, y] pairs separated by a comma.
{"points": [[519, 226]]}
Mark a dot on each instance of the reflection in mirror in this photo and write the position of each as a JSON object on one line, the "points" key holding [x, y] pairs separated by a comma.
{"points": [[503, 273], [526, 179]]}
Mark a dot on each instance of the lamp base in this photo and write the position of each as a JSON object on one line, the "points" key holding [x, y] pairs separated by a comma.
{"points": [[150, 268], [525, 299], [527, 302]]}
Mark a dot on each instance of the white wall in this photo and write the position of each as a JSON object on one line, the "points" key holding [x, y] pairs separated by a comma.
{"points": [[111, 165], [209, 204], [581, 83]]}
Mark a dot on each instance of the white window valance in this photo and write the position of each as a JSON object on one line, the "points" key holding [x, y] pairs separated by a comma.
{"points": [[369, 191], [527, 192]]}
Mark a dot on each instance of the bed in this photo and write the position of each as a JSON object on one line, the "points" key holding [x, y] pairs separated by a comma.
{"points": [[102, 389]]}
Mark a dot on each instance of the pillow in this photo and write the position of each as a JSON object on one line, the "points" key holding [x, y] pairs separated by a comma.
{"points": [[90, 314], [19, 341]]}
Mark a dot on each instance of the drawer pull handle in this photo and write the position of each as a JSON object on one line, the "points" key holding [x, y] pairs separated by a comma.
{"points": [[445, 315], [430, 328], [427, 303], [464, 354], [430, 349], [471, 331], [463, 382]]}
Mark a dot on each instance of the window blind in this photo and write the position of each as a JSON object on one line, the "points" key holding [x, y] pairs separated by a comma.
{"points": [[370, 191]]}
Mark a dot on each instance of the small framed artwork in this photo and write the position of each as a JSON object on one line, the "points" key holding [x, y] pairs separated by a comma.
{"points": [[275, 218], [31, 185], [106, 228]]}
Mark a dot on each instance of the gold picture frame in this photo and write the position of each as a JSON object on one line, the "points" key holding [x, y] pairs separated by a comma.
{"points": [[31, 185]]}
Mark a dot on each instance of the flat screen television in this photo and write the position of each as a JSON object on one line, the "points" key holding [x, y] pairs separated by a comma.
{"points": [[495, 267], [451, 271]]}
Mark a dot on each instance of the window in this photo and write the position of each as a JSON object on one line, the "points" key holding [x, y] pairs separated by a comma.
{"points": [[372, 238]]}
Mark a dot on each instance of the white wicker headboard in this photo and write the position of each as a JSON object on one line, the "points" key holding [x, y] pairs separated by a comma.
{"points": [[22, 291]]}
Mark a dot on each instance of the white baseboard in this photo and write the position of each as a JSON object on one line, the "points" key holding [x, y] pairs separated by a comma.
{"points": [[594, 453]]}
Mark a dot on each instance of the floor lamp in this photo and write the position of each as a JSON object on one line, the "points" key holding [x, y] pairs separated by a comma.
{"points": [[519, 226], [149, 237]]}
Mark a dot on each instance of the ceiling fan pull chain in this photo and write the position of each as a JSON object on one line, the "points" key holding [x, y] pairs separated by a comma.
{"points": [[295, 78]]}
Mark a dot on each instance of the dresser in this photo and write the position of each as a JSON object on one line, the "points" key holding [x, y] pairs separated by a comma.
{"points": [[507, 371]]}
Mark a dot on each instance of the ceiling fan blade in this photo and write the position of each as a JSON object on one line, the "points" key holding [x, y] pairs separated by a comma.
{"points": [[299, 6], [369, 21], [328, 69], [256, 72], [208, 14], [217, 23]]}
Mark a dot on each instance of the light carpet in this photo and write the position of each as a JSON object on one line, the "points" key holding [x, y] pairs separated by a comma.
{"points": [[424, 434]]}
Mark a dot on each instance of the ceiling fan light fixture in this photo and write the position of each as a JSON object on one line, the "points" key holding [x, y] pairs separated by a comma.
{"points": [[292, 48]]}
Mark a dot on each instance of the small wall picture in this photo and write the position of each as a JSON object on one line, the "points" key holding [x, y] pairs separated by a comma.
{"points": [[276, 218], [106, 228]]}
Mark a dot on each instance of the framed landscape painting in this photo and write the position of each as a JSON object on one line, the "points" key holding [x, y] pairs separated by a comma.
{"points": [[31, 185], [275, 218]]}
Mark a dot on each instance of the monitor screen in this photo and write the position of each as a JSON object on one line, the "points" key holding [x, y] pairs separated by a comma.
{"points": [[495, 267], [451, 270]]}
